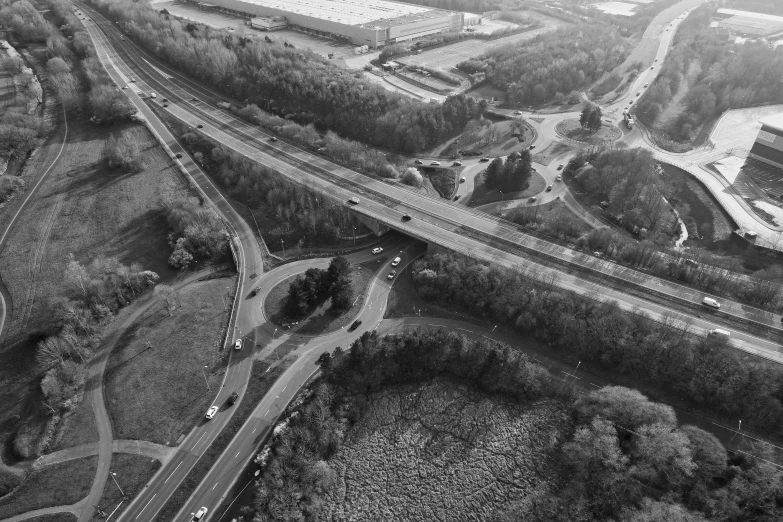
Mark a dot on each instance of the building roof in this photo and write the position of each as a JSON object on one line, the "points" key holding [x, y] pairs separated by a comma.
{"points": [[768, 153], [751, 14], [753, 25], [352, 12], [775, 121]]}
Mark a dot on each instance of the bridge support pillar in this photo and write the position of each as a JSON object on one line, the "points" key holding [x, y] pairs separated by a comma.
{"points": [[377, 227]]}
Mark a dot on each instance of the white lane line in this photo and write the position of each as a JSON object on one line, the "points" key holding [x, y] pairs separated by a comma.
{"points": [[199, 439], [172, 473], [145, 506], [255, 430], [238, 452], [267, 411], [284, 387], [216, 484]]}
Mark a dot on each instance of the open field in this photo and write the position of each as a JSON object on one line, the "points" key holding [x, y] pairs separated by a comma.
{"points": [[155, 379], [497, 139], [56, 517], [552, 151], [322, 319], [481, 195], [87, 209], [571, 129], [441, 451], [57, 485], [133, 472]]}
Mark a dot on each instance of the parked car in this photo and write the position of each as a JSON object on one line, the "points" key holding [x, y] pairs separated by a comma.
{"points": [[396, 261], [238, 344], [199, 515], [392, 274], [165, 104], [651, 68], [354, 201], [211, 412], [517, 112], [233, 398], [356, 324], [377, 250]]}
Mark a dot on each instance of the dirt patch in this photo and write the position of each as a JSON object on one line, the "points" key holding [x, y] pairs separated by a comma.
{"points": [[572, 130], [56, 485], [423, 452], [553, 150], [133, 472], [322, 319], [156, 380], [481, 195], [496, 139]]}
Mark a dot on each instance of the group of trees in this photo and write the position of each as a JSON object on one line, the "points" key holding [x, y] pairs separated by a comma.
{"points": [[197, 232], [95, 292], [288, 211], [294, 83], [316, 284], [511, 174], [630, 181], [628, 460], [123, 154], [590, 118], [553, 64], [704, 369], [729, 76]]}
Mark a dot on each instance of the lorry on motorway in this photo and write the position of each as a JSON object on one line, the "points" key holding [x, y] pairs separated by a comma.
{"points": [[628, 119], [224, 105]]}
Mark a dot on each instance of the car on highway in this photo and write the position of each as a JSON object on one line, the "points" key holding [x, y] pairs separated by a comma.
{"points": [[558, 178], [462, 179], [484, 159], [194, 99], [532, 147], [638, 93], [178, 155], [406, 217], [356, 324], [517, 112], [457, 164], [418, 162], [391, 274], [238, 344], [560, 167], [122, 38], [211, 412], [712, 303], [164, 100], [377, 250], [549, 188], [533, 199], [396, 261], [646, 84], [165, 104], [233, 398], [199, 515], [272, 139], [720, 332], [124, 86], [153, 95], [254, 292], [434, 163], [653, 67], [199, 126], [457, 197], [354, 201]]}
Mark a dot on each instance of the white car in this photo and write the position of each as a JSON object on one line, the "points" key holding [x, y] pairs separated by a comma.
{"points": [[435, 163], [396, 261], [462, 179], [199, 515], [377, 250], [238, 344], [211, 412], [517, 112], [354, 201]]}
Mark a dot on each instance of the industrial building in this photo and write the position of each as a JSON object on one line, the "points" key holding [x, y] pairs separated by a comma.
{"points": [[768, 146], [749, 23], [374, 23]]}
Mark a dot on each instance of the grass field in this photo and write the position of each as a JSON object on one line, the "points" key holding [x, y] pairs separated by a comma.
{"points": [[572, 130], [133, 472], [157, 393], [86, 209], [481, 195], [443, 180], [56, 485], [441, 451], [322, 319], [494, 140], [56, 517], [552, 151]]}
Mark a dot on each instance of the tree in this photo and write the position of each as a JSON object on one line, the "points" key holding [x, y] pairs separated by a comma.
{"points": [[629, 409], [594, 119], [338, 267], [493, 175], [584, 117], [341, 293]]}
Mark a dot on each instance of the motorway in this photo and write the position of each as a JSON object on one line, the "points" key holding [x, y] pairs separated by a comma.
{"points": [[435, 221]]}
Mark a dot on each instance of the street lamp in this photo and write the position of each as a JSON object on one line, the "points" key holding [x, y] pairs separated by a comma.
{"points": [[406, 260], [502, 196], [205, 378], [283, 245], [117, 483], [354, 236]]}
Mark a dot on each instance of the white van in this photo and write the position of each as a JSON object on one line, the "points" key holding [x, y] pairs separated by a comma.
{"points": [[153, 95], [709, 301], [721, 332]]}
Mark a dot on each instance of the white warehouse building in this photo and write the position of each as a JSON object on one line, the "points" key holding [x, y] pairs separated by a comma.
{"points": [[374, 23]]}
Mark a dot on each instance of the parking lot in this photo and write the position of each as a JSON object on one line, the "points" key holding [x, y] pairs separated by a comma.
{"points": [[769, 178]]}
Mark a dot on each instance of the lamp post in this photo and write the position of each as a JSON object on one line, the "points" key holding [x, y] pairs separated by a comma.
{"points": [[205, 378], [502, 196], [354, 236], [117, 483], [282, 245], [406, 260]]}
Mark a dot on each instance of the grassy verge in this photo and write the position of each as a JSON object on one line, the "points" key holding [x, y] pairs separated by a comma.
{"points": [[133, 472], [322, 318], [482, 195], [550, 152], [444, 181], [54, 517], [155, 377], [572, 130], [497, 139], [259, 383], [56, 485]]}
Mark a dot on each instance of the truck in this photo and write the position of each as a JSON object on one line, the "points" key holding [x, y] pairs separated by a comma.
{"points": [[628, 119], [224, 105]]}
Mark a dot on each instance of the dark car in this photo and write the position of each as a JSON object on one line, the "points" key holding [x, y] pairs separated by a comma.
{"points": [[456, 197], [272, 139], [406, 217], [233, 398], [356, 324], [178, 155], [200, 126], [164, 100], [254, 292], [484, 159], [165, 104]]}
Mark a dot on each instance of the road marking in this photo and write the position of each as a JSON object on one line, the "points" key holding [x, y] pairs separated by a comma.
{"points": [[267, 411], [172, 473], [255, 430], [216, 484], [199, 439], [464, 329], [238, 452], [591, 384], [145, 506], [284, 387]]}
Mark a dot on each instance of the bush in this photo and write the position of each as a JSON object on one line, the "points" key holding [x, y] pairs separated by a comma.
{"points": [[123, 154], [195, 229], [412, 177]]}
